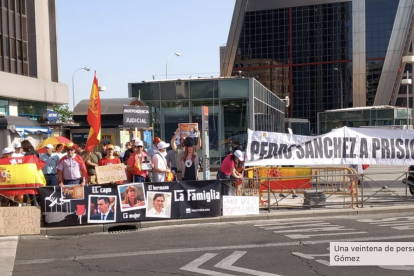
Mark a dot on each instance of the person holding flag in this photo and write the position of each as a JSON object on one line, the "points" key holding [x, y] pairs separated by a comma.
{"points": [[94, 117]]}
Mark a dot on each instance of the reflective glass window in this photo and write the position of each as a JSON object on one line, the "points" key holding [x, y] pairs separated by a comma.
{"points": [[204, 89], [147, 91], [4, 106], [27, 108], [234, 88]]}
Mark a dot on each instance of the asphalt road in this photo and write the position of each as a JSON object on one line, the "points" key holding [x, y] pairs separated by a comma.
{"points": [[273, 247]]}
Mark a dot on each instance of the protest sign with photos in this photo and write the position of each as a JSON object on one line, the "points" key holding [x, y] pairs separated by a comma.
{"points": [[188, 130]]}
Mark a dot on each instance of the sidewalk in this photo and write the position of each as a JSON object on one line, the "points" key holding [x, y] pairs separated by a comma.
{"points": [[274, 214], [8, 246]]}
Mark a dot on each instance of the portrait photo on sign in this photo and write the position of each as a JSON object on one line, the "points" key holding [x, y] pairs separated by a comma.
{"points": [[105, 209], [158, 205], [131, 196], [72, 193]]}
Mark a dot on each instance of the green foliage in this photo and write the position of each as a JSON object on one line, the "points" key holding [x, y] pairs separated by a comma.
{"points": [[64, 113]]}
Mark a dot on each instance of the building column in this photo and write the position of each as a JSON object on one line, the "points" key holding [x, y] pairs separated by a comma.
{"points": [[13, 107], [359, 73]]}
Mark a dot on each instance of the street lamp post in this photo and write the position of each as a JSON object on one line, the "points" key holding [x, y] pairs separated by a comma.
{"points": [[342, 91], [73, 83], [166, 65]]}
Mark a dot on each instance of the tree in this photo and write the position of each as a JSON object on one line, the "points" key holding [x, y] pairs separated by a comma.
{"points": [[64, 113]]}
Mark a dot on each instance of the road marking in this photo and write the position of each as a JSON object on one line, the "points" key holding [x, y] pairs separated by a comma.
{"points": [[193, 266], [301, 236], [397, 223], [320, 229], [403, 227], [289, 223], [200, 249], [381, 221], [307, 226], [297, 226], [8, 247], [309, 256], [395, 267], [227, 264]]}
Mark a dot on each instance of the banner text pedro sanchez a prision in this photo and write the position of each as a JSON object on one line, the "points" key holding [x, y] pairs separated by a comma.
{"points": [[342, 146]]}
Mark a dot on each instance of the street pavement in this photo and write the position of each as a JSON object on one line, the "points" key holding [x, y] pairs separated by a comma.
{"points": [[287, 247]]}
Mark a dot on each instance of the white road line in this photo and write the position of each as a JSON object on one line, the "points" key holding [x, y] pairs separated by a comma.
{"points": [[386, 220], [403, 227], [289, 223], [395, 224], [309, 256], [193, 266], [8, 247], [227, 264], [298, 226], [402, 267], [323, 262], [320, 229], [201, 249], [301, 236]]}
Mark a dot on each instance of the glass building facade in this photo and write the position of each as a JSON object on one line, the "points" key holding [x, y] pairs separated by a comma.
{"points": [[14, 37], [324, 55], [293, 51], [234, 104], [359, 117]]}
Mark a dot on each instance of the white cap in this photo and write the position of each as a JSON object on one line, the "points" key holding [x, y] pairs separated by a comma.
{"points": [[117, 148], [134, 138], [7, 150], [50, 146], [239, 154], [17, 145], [162, 145], [139, 143]]}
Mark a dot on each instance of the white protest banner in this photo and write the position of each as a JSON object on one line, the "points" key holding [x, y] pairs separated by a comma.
{"points": [[240, 205], [342, 146]]}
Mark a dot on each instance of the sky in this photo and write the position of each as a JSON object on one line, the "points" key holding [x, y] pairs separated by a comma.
{"points": [[129, 41]]}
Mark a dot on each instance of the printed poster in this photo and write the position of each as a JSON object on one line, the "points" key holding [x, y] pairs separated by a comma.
{"points": [[74, 205]]}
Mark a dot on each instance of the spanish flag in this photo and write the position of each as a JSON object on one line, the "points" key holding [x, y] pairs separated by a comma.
{"points": [[94, 117], [21, 172]]}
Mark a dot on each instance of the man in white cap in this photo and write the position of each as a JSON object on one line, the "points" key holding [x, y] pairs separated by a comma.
{"points": [[18, 151], [50, 170], [7, 153], [160, 162]]}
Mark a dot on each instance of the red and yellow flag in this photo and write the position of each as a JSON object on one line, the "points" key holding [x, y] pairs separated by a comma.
{"points": [[94, 117], [21, 172]]}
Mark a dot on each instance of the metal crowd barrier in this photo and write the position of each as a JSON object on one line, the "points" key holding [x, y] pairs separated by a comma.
{"points": [[376, 190], [319, 187]]}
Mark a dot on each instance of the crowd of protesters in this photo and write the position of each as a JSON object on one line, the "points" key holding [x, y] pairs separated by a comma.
{"points": [[70, 164]]}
